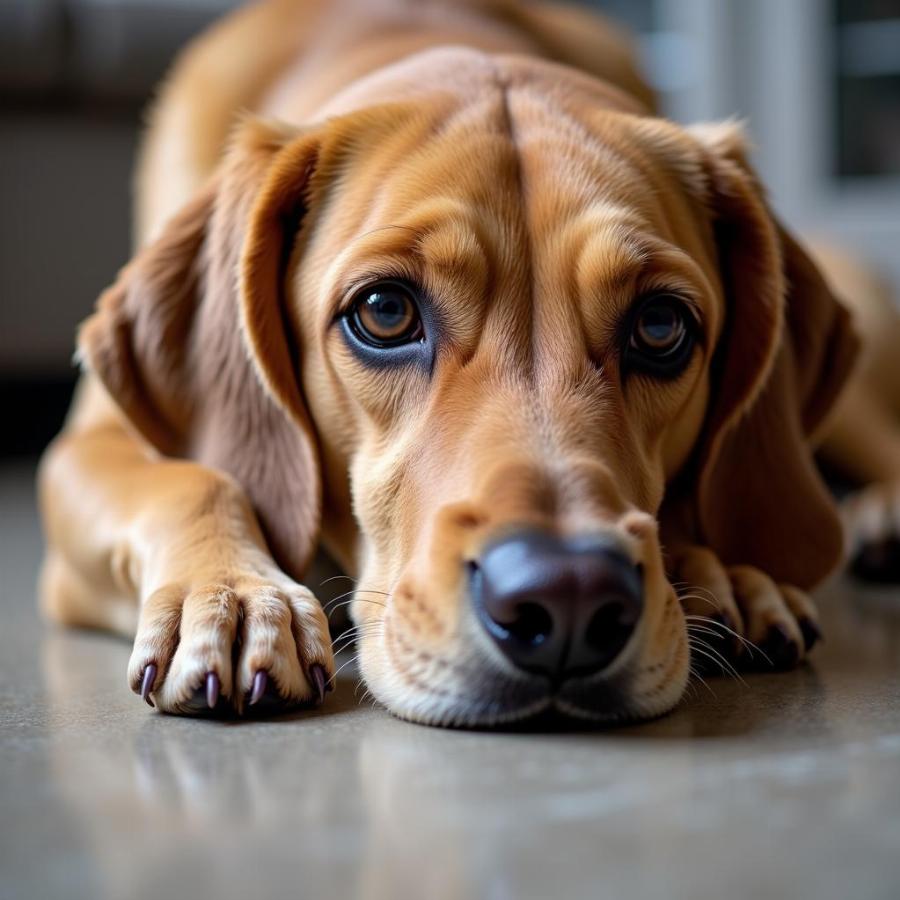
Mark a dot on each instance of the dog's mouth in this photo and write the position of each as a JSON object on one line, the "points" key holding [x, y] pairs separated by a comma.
{"points": [[541, 627], [493, 702], [553, 712]]}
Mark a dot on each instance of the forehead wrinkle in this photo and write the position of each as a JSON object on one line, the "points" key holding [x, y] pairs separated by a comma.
{"points": [[454, 251], [598, 258], [609, 255], [591, 162], [606, 154], [455, 260], [664, 165]]}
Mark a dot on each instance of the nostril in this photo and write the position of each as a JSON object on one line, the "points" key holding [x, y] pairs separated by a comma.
{"points": [[532, 624], [609, 627], [529, 624]]}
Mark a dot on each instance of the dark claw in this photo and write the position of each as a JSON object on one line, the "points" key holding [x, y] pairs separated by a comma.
{"points": [[260, 680], [780, 647], [147, 680], [812, 634], [212, 689], [319, 680]]}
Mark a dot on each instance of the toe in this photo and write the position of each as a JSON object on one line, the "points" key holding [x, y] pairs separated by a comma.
{"points": [[713, 617], [770, 625], [200, 676], [805, 613], [311, 637], [269, 665], [780, 647], [155, 642], [811, 632]]}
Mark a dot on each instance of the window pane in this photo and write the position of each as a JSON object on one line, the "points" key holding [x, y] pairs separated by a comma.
{"points": [[867, 87]]}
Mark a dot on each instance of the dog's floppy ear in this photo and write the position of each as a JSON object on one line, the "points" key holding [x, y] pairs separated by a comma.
{"points": [[780, 363], [191, 341]]}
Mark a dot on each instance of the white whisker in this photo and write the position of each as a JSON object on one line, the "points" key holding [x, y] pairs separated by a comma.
{"points": [[747, 643], [715, 657]]}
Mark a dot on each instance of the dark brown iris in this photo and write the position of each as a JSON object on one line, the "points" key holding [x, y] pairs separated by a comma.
{"points": [[386, 314], [660, 328]]}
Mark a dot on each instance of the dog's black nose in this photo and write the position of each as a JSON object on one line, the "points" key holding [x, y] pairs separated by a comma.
{"points": [[561, 607]]}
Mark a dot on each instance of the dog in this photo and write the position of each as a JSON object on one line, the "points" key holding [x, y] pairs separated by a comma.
{"points": [[430, 286]]}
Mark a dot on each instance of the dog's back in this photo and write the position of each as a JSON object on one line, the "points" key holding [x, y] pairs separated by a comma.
{"points": [[285, 58]]}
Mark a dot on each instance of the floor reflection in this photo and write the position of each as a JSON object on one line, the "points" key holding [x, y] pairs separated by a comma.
{"points": [[352, 802]]}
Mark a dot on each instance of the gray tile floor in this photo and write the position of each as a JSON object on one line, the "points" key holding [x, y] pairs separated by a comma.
{"points": [[785, 786]]}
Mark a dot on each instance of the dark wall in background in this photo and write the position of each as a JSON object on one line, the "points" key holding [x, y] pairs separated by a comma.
{"points": [[75, 79], [64, 222]]}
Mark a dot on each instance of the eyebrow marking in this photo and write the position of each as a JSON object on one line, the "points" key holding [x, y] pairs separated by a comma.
{"points": [[456, 251], [608, 255]]}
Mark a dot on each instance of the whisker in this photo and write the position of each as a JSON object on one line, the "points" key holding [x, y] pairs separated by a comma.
{"points": [[351, 636], [726, 665], [745, 641], [336, 606], [696, 676], [352, 595], [334, 677], [699, 629], [715, 657], [711, 600], [690, 688], [335, 578], [359, 627]]}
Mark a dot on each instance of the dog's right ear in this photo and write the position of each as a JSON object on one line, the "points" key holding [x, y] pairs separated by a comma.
{"points": [[191, 342]]}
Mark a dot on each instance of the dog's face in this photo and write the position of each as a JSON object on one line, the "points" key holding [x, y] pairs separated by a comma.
{"points": [[501, 322], [506, 355]]}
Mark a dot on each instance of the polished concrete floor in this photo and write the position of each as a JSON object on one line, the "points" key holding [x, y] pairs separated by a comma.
{"points": [[785, 786]]}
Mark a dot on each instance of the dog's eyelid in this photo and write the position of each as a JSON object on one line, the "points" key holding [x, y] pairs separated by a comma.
{"points": [[680, 292], [353, 288], [692, 306]]}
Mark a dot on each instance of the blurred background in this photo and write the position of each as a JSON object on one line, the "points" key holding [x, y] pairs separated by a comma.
{"points": [[818, 82]]}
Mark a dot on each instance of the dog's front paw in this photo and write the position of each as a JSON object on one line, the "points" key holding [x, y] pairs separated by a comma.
{"points": [[738, 613], [234, 643]]}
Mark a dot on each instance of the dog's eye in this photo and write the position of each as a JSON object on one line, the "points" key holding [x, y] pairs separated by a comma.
{"points": [[385, 315], [662, 335]]}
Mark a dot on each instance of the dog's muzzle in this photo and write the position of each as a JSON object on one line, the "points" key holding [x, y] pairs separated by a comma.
{"points": [[559, 607]]}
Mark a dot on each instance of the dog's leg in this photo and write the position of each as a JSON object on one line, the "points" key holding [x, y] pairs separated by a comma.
{"points": [[861, 440], [741, 613], [172, 551], [863, 444]]}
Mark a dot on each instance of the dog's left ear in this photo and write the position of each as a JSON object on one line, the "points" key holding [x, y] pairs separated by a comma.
{"points": [[786, 350], [193, 341]]}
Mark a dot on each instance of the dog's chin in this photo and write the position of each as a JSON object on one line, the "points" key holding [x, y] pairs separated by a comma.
{"points": [[537, 706]]}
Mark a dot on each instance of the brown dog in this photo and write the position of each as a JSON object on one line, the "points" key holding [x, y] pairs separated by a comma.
{"points": [[521, 356]]}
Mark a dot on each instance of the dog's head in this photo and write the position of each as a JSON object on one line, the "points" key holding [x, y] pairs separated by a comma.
{"points": [[479, 331]]}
